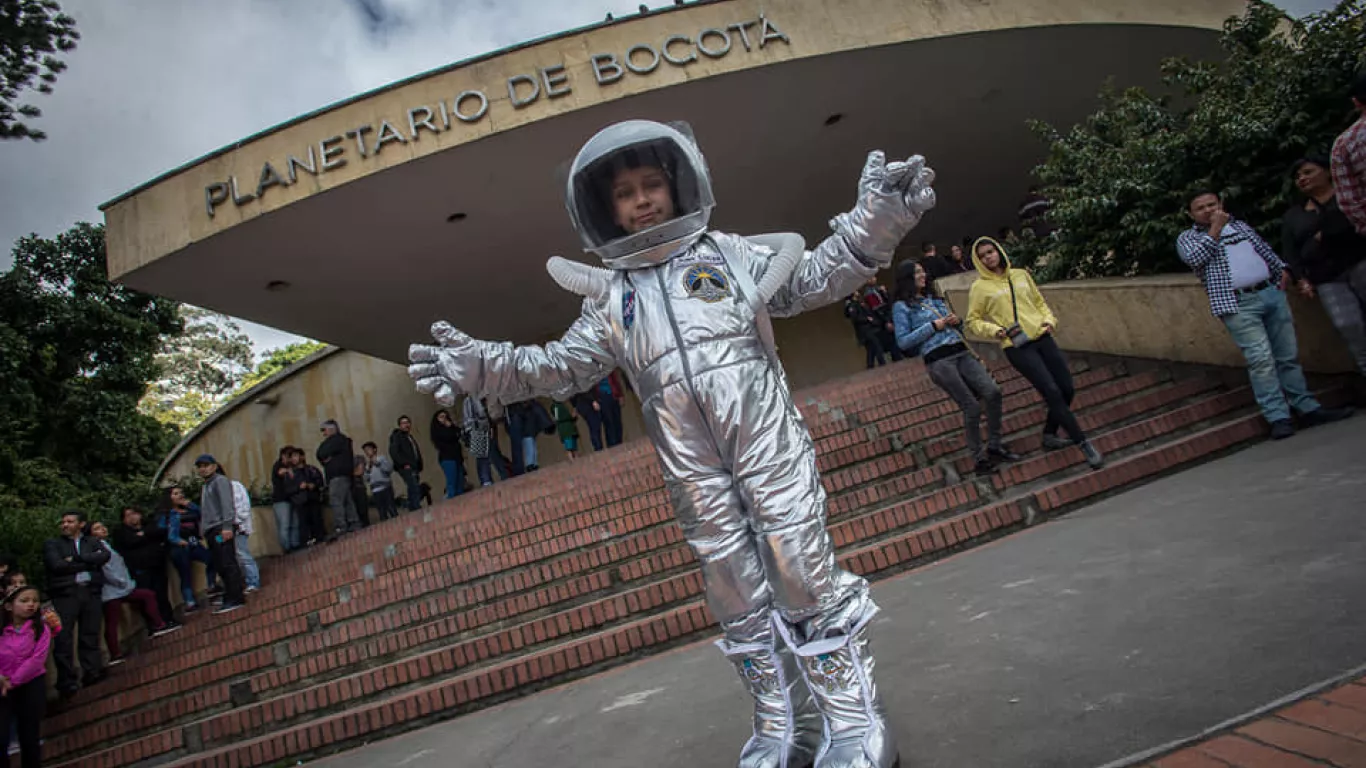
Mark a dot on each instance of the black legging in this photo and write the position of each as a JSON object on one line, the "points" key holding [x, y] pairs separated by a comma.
{"points": [[1043, 365], [24, 706]]}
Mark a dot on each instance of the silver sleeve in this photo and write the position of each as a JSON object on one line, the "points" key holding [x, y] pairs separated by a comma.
{"points": [[825, 275], [510, 373]]}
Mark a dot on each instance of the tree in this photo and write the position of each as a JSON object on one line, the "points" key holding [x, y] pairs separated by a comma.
{"points": [[76, 353], [277, 360], [1120, 181], [198, 369], [31, 31]]}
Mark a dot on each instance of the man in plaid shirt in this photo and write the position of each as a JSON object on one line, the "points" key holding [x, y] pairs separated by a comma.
{"points": [[1349, 161], [1246, 281]]}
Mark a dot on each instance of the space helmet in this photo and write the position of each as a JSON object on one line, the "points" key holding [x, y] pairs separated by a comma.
{"points": [[635, 144]]}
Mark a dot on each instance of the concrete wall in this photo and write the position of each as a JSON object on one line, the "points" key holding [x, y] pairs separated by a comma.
{"points": [[1164, 317]]}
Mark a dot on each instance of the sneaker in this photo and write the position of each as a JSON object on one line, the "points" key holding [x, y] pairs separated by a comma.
{"points": [[115, 661], [1324, 416], [1003, 453], [249, 589], [165, 630], [229, 607], [214, 591], [1282, 429], [1055, 443], [1093, 456], [984, 466], [191, 608]]}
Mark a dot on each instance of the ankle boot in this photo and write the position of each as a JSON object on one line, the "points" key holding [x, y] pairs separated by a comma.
{"points": [[787, 725], [839, 672]]}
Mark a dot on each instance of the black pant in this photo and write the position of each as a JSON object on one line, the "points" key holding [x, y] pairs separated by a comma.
{"points": [[362, 500], [1043, 365], [25, 705], [384, 502], [888, 341], [873, 347], [310, 522], [224, 554], [611, 418], [155, 580], [81, 612]]}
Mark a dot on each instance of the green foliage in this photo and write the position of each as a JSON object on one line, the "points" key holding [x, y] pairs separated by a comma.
{"points": [[1120, 181], [76, 352], [197, 369], [31, 31], [277, 360]]}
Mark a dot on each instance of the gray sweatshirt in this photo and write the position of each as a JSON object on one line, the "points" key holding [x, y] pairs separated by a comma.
{"points": [[215, 506], [378, 476]]}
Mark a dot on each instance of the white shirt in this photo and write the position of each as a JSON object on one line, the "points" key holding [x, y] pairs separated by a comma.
{"points": [[1245, 266]]}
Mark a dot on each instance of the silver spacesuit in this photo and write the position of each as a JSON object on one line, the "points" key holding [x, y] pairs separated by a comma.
{"points": [[685, 313]]}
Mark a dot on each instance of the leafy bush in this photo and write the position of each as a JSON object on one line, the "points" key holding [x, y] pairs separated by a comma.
{"points": [[1120, 181]]}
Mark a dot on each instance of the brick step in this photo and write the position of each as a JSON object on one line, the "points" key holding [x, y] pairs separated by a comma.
{"points": [[296, 626], [320, 672], [287, 621], [339, 650], [935, 405], [869, 524], [590, 653]]}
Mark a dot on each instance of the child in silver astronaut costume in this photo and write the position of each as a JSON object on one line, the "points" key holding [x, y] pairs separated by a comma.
{"points": [[685, 313]]}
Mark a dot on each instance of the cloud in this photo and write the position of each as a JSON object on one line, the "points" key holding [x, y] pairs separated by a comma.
{"points": [[157, 83]]}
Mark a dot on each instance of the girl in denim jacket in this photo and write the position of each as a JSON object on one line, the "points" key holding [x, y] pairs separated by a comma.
{"points": [[926, 326]]}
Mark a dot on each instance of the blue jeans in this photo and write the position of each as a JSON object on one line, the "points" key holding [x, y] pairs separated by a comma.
{"points": [[183, 558], [250, 572], [529, 450], [483, 468], [455, 477], [286, 525], [1265, 331]]}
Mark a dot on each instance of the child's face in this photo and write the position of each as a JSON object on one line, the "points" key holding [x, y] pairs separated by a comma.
{"points": [[26, 606], [18, 580], [641, 198]]}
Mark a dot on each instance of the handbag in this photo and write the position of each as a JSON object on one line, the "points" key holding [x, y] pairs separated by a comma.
{"points": [[1018, 338]]}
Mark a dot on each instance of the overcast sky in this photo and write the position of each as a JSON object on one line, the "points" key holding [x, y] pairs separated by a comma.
{"points": [[157, 83]]}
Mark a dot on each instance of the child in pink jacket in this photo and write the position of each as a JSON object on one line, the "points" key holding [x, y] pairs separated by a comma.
{"points": [[24, 642]]}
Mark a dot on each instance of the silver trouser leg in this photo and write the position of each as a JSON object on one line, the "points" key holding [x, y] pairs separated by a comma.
{"points": [[839, 673], [787, 728], [821, 610]]}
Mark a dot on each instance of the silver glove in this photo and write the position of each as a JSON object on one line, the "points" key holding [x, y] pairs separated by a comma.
{"points": [[444, 370], [891, 199]]}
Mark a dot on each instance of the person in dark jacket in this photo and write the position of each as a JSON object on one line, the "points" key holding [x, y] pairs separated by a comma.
{"points": [[445, 434], [338, 458], [75, 577], [144, 551], [865, 329], [218, 526], [590, 410], [407, 458], [306, 486], [286, 517], [1326, 255]]}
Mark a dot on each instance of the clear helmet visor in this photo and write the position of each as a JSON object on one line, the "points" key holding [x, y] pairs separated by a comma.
{"points": [[637, 192]]}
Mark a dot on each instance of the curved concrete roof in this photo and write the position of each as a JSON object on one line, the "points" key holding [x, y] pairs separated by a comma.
{"points": [[397, 200]]}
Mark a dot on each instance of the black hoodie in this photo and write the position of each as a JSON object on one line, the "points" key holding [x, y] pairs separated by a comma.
{"points": [[337, 457]]}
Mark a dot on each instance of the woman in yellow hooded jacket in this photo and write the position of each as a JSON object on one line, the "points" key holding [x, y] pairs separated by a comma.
{"points": [[1005, 304]]}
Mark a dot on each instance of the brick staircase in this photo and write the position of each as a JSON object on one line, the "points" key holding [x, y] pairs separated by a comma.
{"points": [[577, 568]]}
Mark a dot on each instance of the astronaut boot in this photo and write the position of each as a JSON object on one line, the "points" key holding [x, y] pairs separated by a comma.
{"points": [[839, 673], [787, 725]]}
